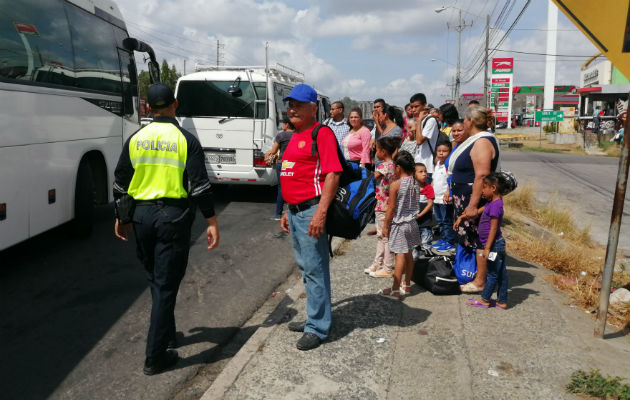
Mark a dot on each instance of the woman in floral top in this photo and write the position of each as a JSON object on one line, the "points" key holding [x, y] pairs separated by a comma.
{"points": [[383, 264]]}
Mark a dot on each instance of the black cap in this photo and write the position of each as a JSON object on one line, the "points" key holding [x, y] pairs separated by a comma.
{"points": [[160, 95]]}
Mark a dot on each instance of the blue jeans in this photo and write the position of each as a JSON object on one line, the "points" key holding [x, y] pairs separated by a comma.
{"points": [[443, 214], [312, 257], [497, 274], [279, 199]]}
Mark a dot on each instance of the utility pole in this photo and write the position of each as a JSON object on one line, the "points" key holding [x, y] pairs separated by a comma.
{"points": [[486, 103], [550, 65], [184, 67], [461, 25], [219, 55]]}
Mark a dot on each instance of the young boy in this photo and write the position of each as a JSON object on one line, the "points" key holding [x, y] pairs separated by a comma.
{"points": [[425, 217], [442, 207]]}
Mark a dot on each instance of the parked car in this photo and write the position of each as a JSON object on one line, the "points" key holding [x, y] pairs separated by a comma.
{"points": [[501, 125]]}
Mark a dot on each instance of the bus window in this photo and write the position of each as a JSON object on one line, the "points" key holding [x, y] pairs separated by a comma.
{"points": [[36, 42], [95, 60], [211, 99]]}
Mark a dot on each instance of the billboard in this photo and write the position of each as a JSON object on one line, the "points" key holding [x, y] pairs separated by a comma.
{"points": [[501, 95], [502, 65]]}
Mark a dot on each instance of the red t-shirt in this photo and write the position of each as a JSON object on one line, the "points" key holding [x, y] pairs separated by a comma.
{"points": [[303, 174], [426, 193]]}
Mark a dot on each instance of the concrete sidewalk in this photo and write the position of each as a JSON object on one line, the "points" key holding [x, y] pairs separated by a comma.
{"points": [[425, 346]]}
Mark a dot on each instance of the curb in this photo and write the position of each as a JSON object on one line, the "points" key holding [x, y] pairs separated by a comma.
{"points": [[235, 366]]}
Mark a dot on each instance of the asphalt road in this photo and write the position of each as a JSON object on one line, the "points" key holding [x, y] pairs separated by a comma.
{"points": [[75, 312], [584, 184]]}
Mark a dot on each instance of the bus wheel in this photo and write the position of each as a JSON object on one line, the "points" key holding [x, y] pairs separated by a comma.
{"points": [[81, 225]]}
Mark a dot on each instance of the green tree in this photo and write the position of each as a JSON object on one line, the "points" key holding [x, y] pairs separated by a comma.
{"points": [[144, 81], [348, 104], [169, 75]]}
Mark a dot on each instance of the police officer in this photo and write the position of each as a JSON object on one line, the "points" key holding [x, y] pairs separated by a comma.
{"points": [[159, 179]]}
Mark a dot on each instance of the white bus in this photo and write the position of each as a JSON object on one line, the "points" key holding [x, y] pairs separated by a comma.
{"points": [[68, 90], [236, 113]]}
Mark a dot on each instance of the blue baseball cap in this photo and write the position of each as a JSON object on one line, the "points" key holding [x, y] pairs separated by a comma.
{"points": [[303, 93]]}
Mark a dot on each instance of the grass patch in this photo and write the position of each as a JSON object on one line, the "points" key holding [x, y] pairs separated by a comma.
{"points": [[552, 214], [523, 198], [594, 384], [546, 234], [560, 220], [611, 149], [540, 149]]}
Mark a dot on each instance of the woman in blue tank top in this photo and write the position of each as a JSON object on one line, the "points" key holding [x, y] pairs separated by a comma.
{"points": [[470, 162]]}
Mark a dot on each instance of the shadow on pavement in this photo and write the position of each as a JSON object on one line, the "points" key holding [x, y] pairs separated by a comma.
{"points": [[515, 262], [370, 311]]}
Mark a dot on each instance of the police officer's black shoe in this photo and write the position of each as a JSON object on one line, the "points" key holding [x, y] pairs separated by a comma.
{"points": [[296, 326], [171, 344], [308, 341], [155, 365]]}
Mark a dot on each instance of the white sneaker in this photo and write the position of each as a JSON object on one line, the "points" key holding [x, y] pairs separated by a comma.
{"points": [[370, 269]]}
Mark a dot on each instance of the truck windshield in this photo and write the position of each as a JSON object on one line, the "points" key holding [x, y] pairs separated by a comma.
{"points": [[211, 99]]}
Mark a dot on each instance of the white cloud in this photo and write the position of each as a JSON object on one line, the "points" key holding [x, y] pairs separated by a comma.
{"points": [[364, 49]]}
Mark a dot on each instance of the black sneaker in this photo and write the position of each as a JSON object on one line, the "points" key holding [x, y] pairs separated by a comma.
{"points": [[155, 365], [308, 341], [296, 326]]}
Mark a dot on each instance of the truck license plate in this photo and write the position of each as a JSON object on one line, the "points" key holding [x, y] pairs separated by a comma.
{"points": [[213, 157]]}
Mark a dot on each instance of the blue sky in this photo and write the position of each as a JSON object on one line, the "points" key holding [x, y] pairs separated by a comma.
{"points": [[361, 49]]}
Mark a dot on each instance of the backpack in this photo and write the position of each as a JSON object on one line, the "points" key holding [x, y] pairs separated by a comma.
{"points": [[353, 205], [352, 208], [441, 137]]}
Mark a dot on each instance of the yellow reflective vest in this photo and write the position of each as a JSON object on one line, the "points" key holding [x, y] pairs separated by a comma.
{"points": [[158, 155]]}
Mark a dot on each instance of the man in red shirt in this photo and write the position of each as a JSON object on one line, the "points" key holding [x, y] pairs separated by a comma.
{"points": [[309, 183]]}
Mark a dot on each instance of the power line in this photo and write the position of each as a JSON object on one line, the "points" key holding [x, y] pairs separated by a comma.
{"points": [[546, 30], [518, 17], [541, 54]]}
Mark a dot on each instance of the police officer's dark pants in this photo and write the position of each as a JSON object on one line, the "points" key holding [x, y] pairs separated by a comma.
{"points": [[163, 238]]}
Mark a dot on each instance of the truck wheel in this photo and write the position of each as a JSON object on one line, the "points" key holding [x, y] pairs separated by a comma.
{"points": [[81, 225]]}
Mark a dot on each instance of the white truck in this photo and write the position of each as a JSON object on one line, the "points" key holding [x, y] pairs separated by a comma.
{"points": [[236, 113]]}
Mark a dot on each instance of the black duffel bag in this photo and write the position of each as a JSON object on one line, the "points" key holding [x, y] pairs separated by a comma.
{"points": [[440, 277]]}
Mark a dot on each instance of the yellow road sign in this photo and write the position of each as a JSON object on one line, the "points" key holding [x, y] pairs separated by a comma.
{"points": [[606, 23]]}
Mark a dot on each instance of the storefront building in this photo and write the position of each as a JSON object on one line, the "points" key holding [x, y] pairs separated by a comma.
{"points": [[603, 89]]}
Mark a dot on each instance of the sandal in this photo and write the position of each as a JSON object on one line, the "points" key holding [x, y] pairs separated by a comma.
{"points": [[390, 293], [500, 306], [477, 303], [470, 288], [405, 289]]}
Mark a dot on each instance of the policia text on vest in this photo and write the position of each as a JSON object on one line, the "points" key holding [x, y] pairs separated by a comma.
{"points": [[162, 172]]}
